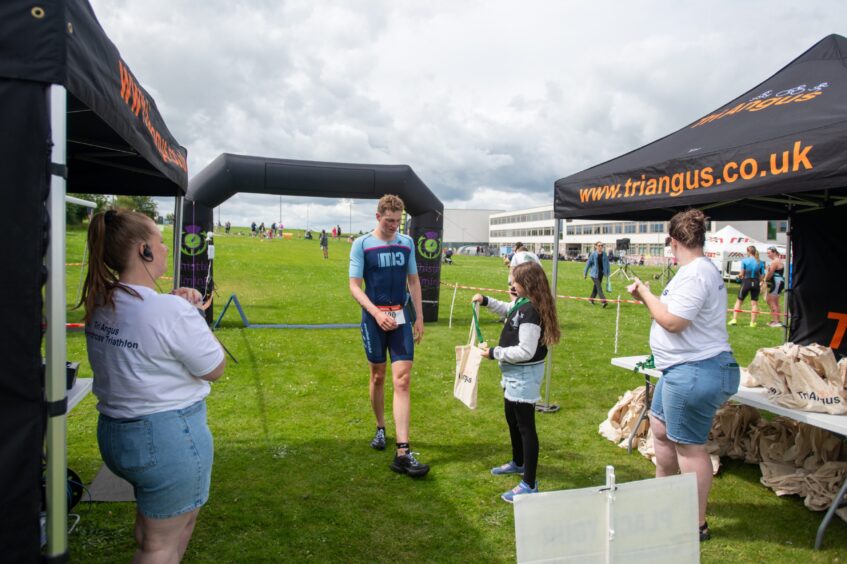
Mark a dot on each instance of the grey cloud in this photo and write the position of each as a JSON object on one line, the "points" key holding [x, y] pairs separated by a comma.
{"points": [[483, 99]]}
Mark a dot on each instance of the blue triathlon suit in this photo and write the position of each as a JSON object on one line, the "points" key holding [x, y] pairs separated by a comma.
{"points": [[384, 267], [753, 270]]}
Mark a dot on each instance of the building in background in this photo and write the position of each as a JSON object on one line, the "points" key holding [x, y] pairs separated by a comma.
{"points": [[466, 228], [534, 227]]}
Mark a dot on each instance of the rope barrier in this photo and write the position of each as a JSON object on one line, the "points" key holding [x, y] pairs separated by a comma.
{"points": [[582, 299]]}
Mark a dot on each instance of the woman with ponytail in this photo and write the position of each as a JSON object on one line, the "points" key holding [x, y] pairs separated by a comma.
{"points": [[752, 272], [153, 357], [531, 325]]}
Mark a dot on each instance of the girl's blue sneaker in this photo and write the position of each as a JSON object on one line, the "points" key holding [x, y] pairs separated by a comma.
{"points": [[508, 468], [520, 489]]}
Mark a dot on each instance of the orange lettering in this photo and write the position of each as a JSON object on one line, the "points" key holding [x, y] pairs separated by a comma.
{"points": [[801, 157], [839, 329]]}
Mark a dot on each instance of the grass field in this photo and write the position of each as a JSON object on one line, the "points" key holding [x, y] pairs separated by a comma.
{"points": [[295, 480]]}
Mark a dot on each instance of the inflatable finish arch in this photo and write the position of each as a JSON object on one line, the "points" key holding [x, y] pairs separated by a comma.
{"points": [[230, 174]]}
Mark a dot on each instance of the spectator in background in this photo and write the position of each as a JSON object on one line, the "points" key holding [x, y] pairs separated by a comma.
{"points": [[752, 273], [334, 232], [597, 266], [324, 243], [522, 255], [775, 278]]}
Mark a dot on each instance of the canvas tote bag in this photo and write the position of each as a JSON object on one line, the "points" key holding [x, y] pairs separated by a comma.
{"points": [[800, 377], [468, 359]]}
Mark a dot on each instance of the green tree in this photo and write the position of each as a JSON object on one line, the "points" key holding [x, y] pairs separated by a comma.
{"points": [[75, 214], [141, 204]]}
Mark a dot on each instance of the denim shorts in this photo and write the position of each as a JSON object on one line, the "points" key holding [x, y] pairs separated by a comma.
{"points": [[166, 456], [688, 395], [522, 382]]}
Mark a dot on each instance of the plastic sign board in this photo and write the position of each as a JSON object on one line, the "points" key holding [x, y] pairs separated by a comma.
{"points": [[650, 521]]}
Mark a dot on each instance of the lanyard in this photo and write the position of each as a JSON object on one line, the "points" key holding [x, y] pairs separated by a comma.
{"points": [[518, 303], [479, 338]]}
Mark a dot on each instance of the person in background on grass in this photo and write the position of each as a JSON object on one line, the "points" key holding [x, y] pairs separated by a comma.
{"points": [[752, 272], [775, 278], [531, 325], [153, 357], [597, 266], [520, 256], [392, 320], [690, 346], [324, 243]]}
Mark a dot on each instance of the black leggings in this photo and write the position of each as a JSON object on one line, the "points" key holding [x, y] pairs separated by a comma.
{"points": [[598, 289], [521, 419]]}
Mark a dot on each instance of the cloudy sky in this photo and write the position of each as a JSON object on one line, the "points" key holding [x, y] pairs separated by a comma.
{"points": [[488, 101]]}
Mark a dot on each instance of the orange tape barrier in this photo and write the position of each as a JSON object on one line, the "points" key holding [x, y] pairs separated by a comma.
{"points": [[582, 299]]}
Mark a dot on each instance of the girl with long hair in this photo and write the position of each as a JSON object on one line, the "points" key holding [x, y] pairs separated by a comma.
{"points": [[531, 325], [153, 357]]}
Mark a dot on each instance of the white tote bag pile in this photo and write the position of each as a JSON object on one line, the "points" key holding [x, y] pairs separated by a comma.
{"points": [[800, 377]]}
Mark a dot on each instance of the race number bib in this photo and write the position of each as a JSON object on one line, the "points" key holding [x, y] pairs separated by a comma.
{"points": [[396, 312]]}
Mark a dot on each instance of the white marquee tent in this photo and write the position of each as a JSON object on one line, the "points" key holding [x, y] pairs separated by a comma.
{"points": [[728, 246]]}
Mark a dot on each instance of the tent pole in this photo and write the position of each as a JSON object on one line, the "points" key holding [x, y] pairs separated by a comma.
{"points": [[548, 362], [56, 346], [789, 279], [177, 247]]}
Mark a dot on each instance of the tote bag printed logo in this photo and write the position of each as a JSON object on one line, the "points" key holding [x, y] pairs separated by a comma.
{"points": [[800, 377]]}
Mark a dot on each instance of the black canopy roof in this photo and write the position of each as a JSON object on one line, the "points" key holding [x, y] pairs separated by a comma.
{"points": [[117, 140], [780, 142]]}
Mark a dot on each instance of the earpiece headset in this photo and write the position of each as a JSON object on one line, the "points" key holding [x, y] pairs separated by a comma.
{"points": [[146, 253]]}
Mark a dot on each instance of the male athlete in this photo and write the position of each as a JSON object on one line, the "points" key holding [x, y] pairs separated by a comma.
{"points": [[385, 260]]}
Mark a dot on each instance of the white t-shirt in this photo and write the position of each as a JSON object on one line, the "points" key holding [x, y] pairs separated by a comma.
{"points": [[697, 293], [146, 354], [521, 257]]}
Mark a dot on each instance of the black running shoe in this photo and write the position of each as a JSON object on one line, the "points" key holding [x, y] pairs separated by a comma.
{"points": [[408, 464], [705, 533], [378, 441]]}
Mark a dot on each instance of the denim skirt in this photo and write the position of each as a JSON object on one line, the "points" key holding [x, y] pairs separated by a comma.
{"points": [[166, 456], [688, 395], [522, 382]]}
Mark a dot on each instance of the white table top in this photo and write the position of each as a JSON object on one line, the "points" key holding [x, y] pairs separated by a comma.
{"points": [[629, 363], [81, 388], [755, 397]]}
